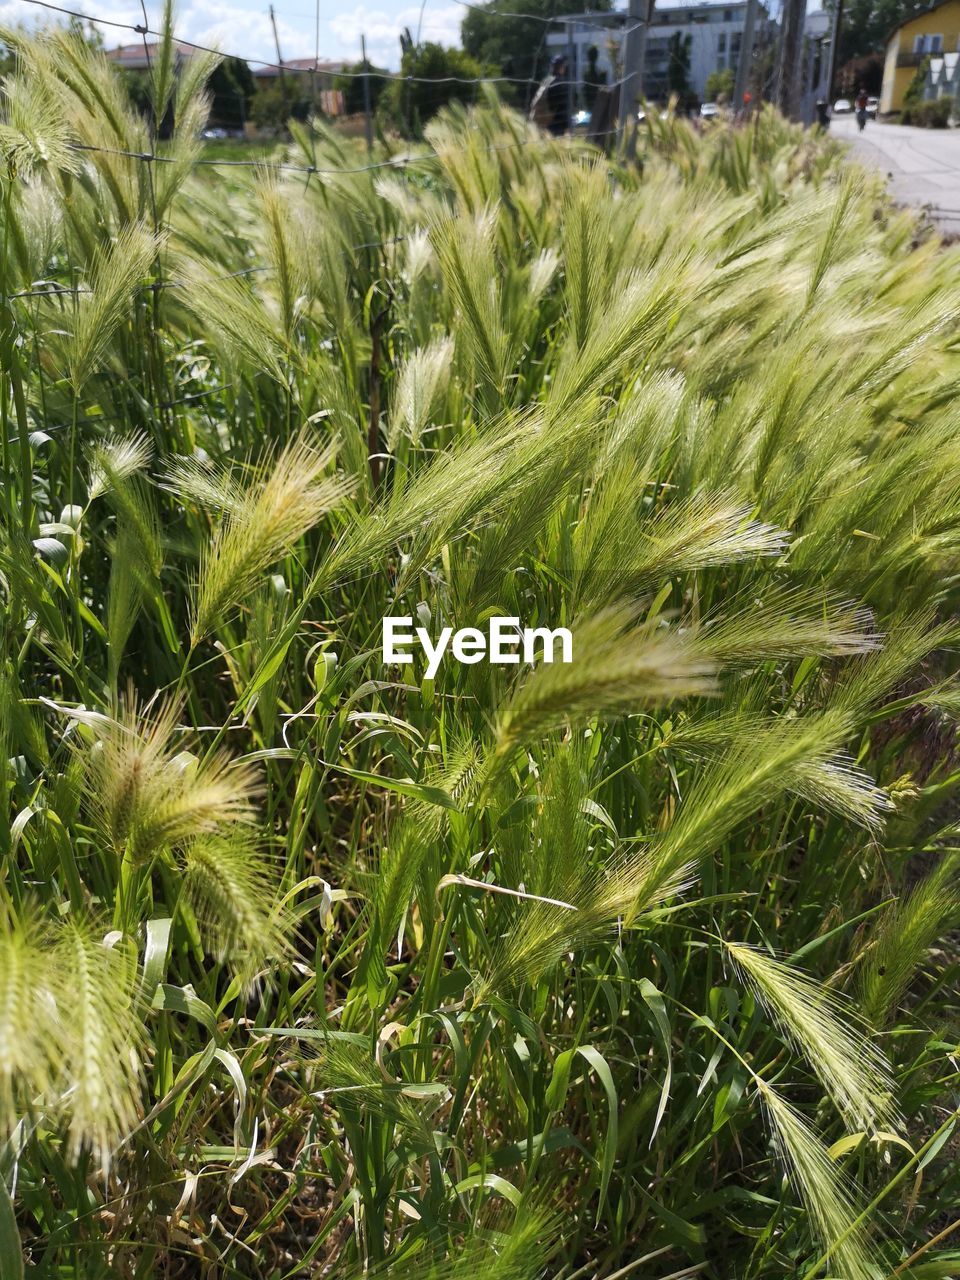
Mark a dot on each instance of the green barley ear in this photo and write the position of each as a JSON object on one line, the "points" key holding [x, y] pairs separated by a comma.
{"points": [[234, 315], [465, 249], [616, 668], [148, 793], [619, 549], [115, 274], [822, 1188], [903, 937], [495, 1248], [29, 1039], [101, 1038], [115, 460], [264, 520], [232, 890], [826, 1028], [787, 624], [34, 137], [286, 249], [163, 69], [421, 383], [135, 561]]}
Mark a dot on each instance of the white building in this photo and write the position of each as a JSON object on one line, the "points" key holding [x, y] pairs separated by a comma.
{"points": [[709, 32]]}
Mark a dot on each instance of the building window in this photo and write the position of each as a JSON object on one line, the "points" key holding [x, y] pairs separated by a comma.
{"points": [[928, 44], [722, 42]]}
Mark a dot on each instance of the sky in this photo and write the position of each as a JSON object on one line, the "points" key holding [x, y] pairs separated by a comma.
{"points": [[242, 27]]}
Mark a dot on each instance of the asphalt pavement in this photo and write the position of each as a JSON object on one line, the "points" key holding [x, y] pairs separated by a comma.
{"points": [[922, 165]]}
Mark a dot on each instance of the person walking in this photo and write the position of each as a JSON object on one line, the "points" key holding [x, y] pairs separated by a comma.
{"points": [[550, 108], [861, 105]]}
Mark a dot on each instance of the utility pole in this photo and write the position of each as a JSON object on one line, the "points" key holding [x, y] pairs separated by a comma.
{"points": [[639, 14], [368, 120], [834, 46], [571, 72], [791, 36], [276, 40], [316, 59], [745, 61]]}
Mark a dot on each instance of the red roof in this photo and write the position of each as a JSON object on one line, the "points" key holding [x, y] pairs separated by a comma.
{"points": [[298, 65]]}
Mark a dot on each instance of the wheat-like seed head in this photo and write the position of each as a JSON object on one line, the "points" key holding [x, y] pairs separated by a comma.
{"points": [[149, 794]]}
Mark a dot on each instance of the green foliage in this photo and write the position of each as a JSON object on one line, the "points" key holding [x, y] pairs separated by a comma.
{"points": [[308, 966], [720, 85], [512, 37], [678, 66], [232, 88], [934, 114], [443, 76], [352, 86], [867, 25], [913, 94], [279, 100]]}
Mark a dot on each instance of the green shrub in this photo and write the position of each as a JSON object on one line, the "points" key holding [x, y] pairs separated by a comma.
{"points": [[933, 114]]}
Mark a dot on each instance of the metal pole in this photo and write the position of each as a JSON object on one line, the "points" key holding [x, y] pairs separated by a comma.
{"points": [[790, 37], [631, 78], [571, 72], [834, 47], [745, 61], [276, 41], [368, 120]]}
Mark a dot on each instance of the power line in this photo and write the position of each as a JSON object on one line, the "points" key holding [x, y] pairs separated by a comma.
{"points": [[142, 29]]}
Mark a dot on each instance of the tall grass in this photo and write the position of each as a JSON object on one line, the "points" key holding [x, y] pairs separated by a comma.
{"points": [[644, 965]]}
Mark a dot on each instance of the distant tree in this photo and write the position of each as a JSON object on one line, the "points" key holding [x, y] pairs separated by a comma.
{"points": [[281, 99], [351, 85], [89, 32], [233, 88], [866, 71], [867, 24], [913, 94], [517, 46], [678, 64], [441, 76], [720, 85]]}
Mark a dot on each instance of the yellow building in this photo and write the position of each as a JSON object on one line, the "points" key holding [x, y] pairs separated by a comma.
{"points": [[935, 32]]}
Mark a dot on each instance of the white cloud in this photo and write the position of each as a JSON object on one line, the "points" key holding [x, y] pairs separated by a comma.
{"points": [[247, 32], [382, 29]]}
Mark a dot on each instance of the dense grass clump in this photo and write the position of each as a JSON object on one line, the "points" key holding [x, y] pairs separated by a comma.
{"points": [[644, 965]]}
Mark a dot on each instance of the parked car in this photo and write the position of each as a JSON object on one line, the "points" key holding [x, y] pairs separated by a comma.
{"points": [[842, 106], [873, 106], [708, 110]]}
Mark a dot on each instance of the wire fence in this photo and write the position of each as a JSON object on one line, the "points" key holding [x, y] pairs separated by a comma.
{"points": [[144, 29], [51, 289]]}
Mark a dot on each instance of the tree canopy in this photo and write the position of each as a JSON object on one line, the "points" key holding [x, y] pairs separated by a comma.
{"points": [[516, 46], [867, 24], [439, 76]]}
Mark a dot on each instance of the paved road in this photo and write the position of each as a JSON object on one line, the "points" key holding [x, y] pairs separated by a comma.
{"points": [[923, 165]]}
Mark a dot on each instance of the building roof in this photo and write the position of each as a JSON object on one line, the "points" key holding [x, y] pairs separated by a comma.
{"points": [[298, 66], [941, 4], [138, 56]]}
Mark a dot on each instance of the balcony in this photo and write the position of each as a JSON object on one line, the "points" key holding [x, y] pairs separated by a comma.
{"points": [[912, 59]]}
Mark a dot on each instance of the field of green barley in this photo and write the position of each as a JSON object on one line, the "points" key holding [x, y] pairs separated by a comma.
{"points": [[644, 965]]}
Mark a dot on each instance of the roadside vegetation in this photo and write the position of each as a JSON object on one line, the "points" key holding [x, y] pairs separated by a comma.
{"points": [[646, 965]]}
